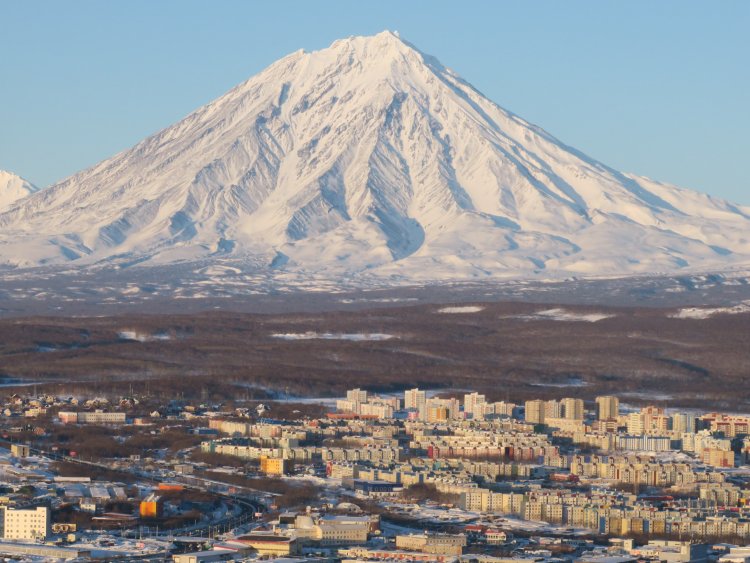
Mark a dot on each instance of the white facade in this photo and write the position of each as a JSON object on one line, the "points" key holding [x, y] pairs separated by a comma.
{"points": [[415, 399], [26, 524]]}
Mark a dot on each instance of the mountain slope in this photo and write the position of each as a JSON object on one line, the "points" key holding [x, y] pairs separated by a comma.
{"points": [[13, 188], [369, 157]]}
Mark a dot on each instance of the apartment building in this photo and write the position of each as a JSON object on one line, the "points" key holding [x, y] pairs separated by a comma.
{"points": [[93, 417], [607, 407], [718, 457], [275, 466], [415, 399], [26, 523], [474, 405], [356, 396], [437, 544], [535, 411], [572, 409]]}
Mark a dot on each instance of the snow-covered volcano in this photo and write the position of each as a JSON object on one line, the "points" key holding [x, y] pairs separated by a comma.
{"points": [[369, 157]]}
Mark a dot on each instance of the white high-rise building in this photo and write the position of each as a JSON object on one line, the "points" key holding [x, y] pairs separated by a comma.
{"points": [[553, 409], [683, 423], [636, 424], [473, 403], [356, 396], [26, 524], [415, 399]]}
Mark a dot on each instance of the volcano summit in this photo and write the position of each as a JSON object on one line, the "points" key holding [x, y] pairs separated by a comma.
{"points": [[369, 160]]}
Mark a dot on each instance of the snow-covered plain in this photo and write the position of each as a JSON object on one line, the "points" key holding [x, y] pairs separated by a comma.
{"points": [[354, 336], [558, 314], [707, 312], [141, 337], [368, 160], [460, 309]]}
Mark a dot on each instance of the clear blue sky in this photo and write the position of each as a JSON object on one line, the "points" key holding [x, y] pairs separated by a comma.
{"points": [[660, 88]]}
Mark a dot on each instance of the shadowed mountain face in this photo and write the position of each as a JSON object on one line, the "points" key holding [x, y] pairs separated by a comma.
{"points": [[369, 159]]}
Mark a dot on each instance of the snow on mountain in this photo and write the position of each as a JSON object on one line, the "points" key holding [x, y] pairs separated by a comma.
{"points": [[13, 188], [369, 158]]}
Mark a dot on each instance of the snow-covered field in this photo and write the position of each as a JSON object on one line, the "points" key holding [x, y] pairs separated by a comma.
{"points": [[707, 312], [573, 382], [140, 337], [565, 315], [353, 336], [461, 309]]}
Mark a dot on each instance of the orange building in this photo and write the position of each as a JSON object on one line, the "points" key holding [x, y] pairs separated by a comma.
{"points": [[151, 506], [171, 487]]}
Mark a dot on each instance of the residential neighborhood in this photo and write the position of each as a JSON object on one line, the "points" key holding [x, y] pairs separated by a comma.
{"points": [[425, 475]]}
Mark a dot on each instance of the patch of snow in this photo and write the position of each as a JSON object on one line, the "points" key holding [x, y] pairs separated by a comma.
{"points": [[565, 315], [141, 337], [354, 336], [379, 300], [574, 382], [705, 312], [461, 309]]}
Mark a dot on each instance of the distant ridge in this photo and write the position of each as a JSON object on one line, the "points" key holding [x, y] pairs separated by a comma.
{"points": [[13, 188]]}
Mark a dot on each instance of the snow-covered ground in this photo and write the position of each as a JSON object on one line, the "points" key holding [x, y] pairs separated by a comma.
{"points": [[141, 337], [353, 336], [573, 382], [348, 300], [559, 314], [461, 309], [707, 312]]}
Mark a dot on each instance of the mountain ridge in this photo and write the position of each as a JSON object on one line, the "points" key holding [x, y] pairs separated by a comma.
{"points": [[13, 188], [369, 158]]}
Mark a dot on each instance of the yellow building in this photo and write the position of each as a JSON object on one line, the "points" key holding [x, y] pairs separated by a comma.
{"points": [[275, 466], [436, 544], [572, 408], [718, 458], [19, 450], [270, 544], [437, 414], [535, 411], [607, 407]]}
